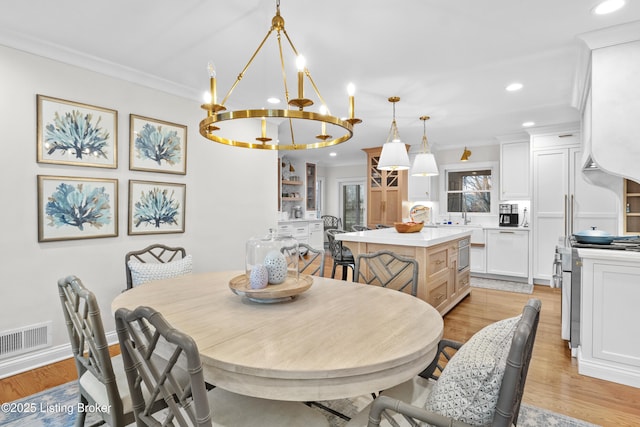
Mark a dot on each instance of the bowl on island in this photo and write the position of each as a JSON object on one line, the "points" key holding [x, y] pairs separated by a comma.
{"points": [[408, 227]]}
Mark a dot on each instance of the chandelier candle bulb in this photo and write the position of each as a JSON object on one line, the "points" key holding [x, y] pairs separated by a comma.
{"points": [[300, 63], [351, 90], [212, 82]]}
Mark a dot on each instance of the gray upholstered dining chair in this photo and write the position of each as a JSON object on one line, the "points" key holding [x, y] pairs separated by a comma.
{"points": [[387, 269], [155, 262], [340, 254], [101, 378], [310, 259], [481, 383], [144, 333]]}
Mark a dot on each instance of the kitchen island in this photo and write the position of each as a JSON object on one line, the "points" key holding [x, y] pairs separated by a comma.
{"points": [[442, 255]]}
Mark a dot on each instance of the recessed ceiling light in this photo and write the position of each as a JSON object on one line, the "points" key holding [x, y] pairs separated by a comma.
{"points": [[514, 87], [608, 6], [273, 100], [528, 124], [333, 154]]}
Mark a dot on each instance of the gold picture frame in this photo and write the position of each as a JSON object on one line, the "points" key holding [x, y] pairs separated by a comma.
{"points": [[76, 134], [145, 216], [157, 145], [71, 208]]}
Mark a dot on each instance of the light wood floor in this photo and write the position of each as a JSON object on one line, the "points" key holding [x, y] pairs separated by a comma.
{"points": [[553, 381]]}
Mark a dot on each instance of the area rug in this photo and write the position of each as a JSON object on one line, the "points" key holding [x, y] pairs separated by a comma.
{"points": [[57, 407], [501, 285]]}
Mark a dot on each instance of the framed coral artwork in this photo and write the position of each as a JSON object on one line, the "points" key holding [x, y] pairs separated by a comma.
{"points": [[157, 146], [76, 208], [156, 207], [71, 133]]}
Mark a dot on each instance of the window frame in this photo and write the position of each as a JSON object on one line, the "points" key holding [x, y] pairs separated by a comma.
{"points": [[465, 167]]}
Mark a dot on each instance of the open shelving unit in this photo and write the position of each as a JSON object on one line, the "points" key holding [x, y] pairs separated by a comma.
{"points": [[632, 207]]}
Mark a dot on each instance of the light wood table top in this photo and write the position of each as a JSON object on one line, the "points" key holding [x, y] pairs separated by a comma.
{"points": [[336, 340]]}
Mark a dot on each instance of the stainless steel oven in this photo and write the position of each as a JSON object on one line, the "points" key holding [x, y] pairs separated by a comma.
{"points": [[567, 276], [463, 253]]}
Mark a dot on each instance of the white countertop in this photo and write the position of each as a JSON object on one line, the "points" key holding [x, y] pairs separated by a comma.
{"points": [[477, 226], [609, 254], [389, 236]]}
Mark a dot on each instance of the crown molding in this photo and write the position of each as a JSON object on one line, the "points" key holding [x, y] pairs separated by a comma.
{"points": [[68, 56]]}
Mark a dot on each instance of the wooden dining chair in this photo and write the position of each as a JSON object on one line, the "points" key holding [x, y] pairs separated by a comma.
{"points": [[387, 269], [152, 351], [310, 259], [480, 382], [101, 378], [137, 272]]}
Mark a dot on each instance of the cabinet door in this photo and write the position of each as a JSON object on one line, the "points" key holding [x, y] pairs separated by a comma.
{"points": [[508, 252], [374, 208], [311, 186], [419, 187], [477, 258], [316, 234], [550, 204], [514, 171]]}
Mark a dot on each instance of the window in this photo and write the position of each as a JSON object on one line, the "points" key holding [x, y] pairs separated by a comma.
{"points": [[469, 191]]}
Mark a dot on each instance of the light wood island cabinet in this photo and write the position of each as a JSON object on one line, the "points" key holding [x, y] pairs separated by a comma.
{"points": [[436, 250]]}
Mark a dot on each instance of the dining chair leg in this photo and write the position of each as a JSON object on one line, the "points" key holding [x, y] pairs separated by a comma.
{"points": [[344, 272], [333, 271]]}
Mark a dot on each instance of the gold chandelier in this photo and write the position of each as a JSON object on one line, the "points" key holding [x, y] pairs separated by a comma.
{"points": [[295, 112]]}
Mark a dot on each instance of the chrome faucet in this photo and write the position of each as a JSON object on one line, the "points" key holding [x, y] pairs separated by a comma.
{"points": [[464, 217]]}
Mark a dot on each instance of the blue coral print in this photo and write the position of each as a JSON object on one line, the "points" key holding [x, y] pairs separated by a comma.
{"points": [[156, 207], [75, 133], [79, 205], [158, 144]]}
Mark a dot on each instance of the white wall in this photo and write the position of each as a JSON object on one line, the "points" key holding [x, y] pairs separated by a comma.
{"points": [[227, 198]]}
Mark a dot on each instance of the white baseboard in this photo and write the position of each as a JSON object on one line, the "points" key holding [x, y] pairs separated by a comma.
{"points": [[36, 359]]}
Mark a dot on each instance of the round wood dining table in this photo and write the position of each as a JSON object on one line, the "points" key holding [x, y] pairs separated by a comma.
{"points": [[335, 340]]}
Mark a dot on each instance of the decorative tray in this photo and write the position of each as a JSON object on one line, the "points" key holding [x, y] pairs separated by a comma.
{"points": [[285, 291]]}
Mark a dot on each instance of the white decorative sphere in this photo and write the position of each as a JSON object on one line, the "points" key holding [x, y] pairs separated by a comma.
{"points": [[259, 277], [276, 265]]}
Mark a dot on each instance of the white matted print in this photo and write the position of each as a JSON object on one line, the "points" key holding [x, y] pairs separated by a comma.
{"points": [[71, 133], [76, 208], [156, 207], [157, 146]]}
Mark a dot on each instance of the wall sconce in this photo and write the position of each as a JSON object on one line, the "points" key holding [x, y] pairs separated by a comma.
{"points": [[465, 155]]}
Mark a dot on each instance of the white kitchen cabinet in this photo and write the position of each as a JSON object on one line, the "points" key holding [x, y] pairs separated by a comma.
{"points": [[419, 187], [477, 251], [514, 170], [304, 231], [508, 252], [564, 201], [609, 308], [316, 234]]}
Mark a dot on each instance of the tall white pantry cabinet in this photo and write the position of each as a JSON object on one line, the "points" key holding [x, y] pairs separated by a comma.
{"points": [[564, 201]]}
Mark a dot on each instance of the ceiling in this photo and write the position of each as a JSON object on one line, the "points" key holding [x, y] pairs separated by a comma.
{"points": [[450, 59]]}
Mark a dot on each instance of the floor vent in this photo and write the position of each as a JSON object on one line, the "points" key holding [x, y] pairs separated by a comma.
{"points": [[26, 339]]}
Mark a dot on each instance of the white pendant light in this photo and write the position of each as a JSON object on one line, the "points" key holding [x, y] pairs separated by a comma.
{"points": [[394, 154], [425, 162]]}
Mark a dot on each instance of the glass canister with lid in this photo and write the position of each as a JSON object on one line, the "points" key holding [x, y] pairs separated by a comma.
{"points": [[271, 260]]}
